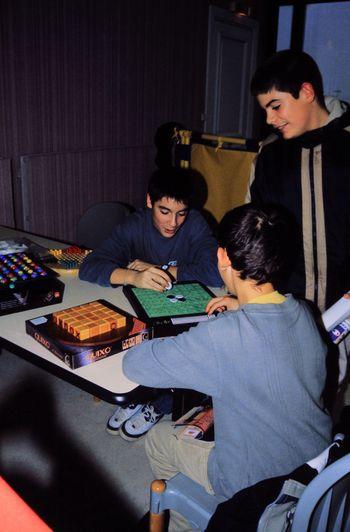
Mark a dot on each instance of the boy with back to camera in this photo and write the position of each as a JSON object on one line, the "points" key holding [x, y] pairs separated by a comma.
{"points": [[262, 362], [305, 167], [166, 241]]}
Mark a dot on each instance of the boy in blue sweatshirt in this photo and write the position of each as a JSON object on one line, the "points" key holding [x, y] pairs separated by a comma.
{"points": [[167, 240], [262, 361]]}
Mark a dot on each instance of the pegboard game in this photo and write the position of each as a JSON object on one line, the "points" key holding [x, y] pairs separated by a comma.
{"points": [[69, 258], [17, 269], [184, 304], [26, 283], [86, 333]]}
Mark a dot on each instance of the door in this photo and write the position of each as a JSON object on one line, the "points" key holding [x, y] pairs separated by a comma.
{"points": [[231, 61]]}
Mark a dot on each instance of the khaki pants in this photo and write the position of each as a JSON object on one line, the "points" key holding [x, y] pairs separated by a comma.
{"points": [[168, 454]]}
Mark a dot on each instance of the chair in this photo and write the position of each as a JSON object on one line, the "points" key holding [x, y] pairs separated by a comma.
{"points": [[97, 222], [325, 504], [185, 496], [323, 507]]}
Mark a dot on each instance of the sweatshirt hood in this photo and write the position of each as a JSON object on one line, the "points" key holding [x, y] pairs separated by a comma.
{"points": [[339, 118], [335, 107]]}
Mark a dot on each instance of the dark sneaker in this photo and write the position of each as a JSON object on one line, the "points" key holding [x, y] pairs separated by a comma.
{"points": [[120, 416], [140, 423]]}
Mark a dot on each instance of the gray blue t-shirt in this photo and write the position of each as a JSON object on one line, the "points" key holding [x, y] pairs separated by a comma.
{"points": [[264, 366]]}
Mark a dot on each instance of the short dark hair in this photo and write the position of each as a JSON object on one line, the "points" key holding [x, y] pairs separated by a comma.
{"points": [[171, 182], [286, 71], [259, 241]]}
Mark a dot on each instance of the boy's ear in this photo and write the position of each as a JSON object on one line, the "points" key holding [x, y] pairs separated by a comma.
{"points": [[307, 91], [148, 201], [223, 259]]}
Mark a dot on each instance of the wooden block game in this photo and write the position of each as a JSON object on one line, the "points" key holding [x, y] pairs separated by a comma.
{"points": [[89, 320], [87, 333]]}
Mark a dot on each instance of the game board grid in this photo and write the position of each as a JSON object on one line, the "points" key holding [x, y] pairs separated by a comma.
{"points": [[157, 304], [88, 320]]}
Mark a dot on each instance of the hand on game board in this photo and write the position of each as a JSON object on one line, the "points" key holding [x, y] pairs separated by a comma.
{"points": [[220, 304], [153, 278], [139, 265]]}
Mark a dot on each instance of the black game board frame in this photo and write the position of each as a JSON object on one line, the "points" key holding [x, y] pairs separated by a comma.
{"points": [[162, 320]]}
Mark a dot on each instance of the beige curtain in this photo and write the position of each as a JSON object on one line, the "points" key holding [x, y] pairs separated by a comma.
{"points": [[226, 173]]}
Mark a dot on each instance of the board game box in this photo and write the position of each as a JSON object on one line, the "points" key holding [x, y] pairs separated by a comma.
{"points": [[198, 423], [25, 283], [86, 333], [171, 311]]}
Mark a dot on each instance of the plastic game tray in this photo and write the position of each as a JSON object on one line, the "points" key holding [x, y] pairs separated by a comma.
{"points": [[25, 282], [20, 269], [184, 303]]}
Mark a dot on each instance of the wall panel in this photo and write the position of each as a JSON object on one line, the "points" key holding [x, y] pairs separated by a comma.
{"points": [[57, 188], [86, 74], [6, 203], [91, 73]]}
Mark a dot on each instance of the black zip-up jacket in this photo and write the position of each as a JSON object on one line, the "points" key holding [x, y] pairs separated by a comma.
{"points": [[310, 176]]}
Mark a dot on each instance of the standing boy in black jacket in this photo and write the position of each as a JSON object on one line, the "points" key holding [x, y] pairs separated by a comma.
{"points": [[305, 167]]}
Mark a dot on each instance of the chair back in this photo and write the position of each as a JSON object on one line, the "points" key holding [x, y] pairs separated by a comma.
{"points": [[182, 494], [325, 504], [98, 221]]}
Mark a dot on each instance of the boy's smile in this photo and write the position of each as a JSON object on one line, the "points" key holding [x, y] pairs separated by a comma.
{"points": [[290, 116], [168, 215]]}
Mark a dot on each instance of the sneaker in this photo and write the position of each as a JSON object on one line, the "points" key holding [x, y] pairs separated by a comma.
{"points": [[120, 416], [140, 422]]}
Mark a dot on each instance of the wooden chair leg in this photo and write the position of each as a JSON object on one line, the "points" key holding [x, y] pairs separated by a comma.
{"points": [[156, 519]]}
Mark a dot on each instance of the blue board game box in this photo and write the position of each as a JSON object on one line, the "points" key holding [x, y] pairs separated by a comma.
{"points": [[87, 333]]}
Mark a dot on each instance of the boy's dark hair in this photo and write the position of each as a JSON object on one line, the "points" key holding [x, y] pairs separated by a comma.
{"points": [[286, 71], [171, 182], [259, 241]]}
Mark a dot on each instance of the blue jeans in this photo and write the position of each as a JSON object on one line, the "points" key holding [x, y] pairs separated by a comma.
{"points": [[164, 402]]}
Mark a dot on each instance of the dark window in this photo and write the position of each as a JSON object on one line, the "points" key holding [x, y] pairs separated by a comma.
{"points": [[325, 38]]}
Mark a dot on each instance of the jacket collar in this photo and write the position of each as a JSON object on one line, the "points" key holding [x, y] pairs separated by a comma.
{"points": [[339, 118]]}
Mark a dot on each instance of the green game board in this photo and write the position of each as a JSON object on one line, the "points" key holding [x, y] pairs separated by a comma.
{"points": [[155, 304]]}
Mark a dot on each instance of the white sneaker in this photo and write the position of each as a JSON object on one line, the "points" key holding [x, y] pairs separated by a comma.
{"points": [[140, 423], [120, 416]]}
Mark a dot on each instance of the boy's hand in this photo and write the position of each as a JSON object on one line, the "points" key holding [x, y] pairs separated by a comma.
{"points": [[139, 265], [153, 278], [220, 304]]}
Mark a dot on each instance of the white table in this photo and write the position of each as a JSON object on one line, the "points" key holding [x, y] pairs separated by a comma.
{"points": [[105, 378]]}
